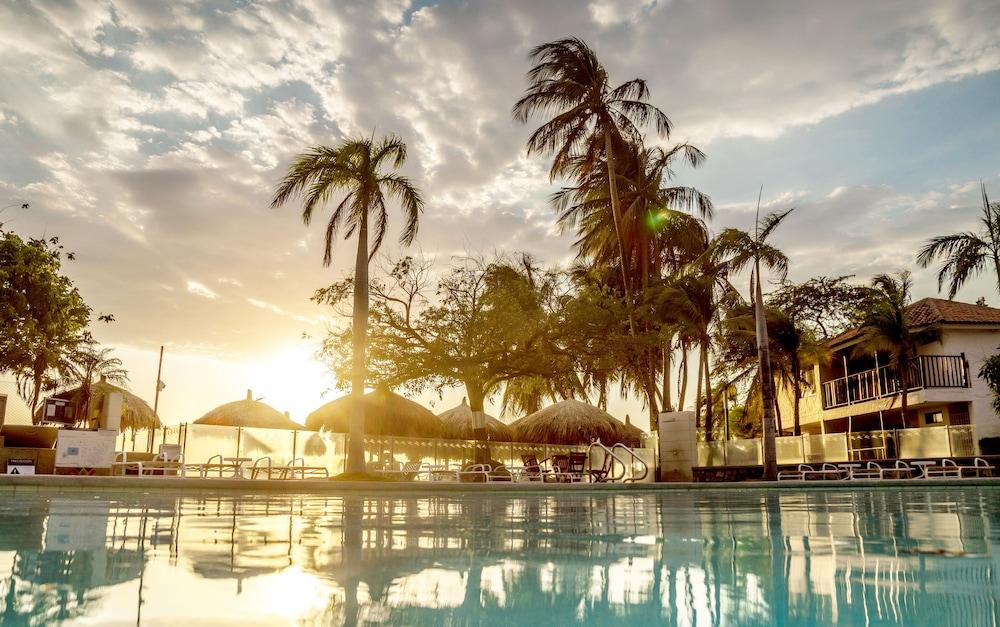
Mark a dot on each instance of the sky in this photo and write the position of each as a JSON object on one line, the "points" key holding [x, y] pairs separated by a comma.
{"points": [[149, 137]]}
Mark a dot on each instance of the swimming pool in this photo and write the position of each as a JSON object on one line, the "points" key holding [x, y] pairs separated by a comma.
{"points": [[910, 555]]}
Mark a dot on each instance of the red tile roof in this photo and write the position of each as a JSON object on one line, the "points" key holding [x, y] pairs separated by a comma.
{"points": [[928, 311], [939, 311]]}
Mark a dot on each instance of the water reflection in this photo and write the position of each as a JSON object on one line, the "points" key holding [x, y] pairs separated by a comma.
{"points": [[706, 558]]}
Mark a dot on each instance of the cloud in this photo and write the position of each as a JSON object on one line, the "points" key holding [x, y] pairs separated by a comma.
{"points": [[199, 289]]}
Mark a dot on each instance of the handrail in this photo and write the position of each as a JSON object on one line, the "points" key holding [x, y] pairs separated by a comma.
{"points": [[610, 452], [645, 466]]}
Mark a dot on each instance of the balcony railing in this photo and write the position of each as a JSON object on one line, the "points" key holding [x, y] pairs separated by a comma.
{"points": [[926, 371]]}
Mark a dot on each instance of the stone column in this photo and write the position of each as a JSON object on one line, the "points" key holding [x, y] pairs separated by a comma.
{"points": [[677, 436]]}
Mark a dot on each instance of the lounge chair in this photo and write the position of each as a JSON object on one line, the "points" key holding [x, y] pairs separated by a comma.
{"points": [[950, 468], [979, 468], [298, 466], [827, 471], [900, 470], [795, 475], [218, 463], [169, 460]]}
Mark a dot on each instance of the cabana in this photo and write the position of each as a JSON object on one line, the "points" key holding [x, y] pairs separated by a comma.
{"points": [[136, 413], [457, 423]]}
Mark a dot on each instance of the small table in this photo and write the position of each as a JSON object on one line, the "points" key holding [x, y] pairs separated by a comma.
{"points": [[850, 469], [239, 465], [923, 465]]}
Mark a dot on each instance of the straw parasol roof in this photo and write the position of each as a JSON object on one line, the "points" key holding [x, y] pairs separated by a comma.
{"points": [[248, 413], [571, 422], [457, 423], [385, 414], [136, 413]]}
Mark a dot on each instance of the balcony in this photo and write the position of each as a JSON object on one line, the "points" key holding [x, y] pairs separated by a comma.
{"points": [[927, 371]]}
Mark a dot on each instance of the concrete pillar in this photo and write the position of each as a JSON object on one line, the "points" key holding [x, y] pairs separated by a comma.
{"points": [[677, 436]]}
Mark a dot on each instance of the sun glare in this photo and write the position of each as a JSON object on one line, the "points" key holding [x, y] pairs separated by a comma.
{"points": [[290, 380]]}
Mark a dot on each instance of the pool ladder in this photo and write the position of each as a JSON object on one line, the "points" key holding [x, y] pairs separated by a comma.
{"points": [[610, 452]]}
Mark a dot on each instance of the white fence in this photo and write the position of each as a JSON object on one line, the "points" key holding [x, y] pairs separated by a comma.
{"points": [[947, 441], [200, 442]]}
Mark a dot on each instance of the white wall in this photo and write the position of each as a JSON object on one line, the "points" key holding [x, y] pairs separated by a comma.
{"points": [[17, 411]]}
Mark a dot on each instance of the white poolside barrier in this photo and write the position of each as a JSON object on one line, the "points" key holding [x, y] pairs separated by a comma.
{"points": [[326, 449], [945, 441]]}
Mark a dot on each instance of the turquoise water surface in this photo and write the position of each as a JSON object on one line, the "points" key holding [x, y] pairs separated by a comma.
{"points": [[734, 557]]}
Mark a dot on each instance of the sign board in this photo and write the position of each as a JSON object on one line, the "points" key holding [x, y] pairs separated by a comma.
{"points": [[85, 449], [60, 411], [20, 466]]}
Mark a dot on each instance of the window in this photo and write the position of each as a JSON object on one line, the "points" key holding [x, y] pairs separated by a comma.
{"points": [[808, 387], [933, 418]]}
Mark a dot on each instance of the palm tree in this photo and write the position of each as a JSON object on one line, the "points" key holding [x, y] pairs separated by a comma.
{"points": [[91, 365], [884, 329], [354, 168], [590, 119], [744, 250], [966, 255]]}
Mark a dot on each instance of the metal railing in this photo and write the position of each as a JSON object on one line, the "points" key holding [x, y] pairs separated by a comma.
{"points": [[926, 442], [926, 371]]}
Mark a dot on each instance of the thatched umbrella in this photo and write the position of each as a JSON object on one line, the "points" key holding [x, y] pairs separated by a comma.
{"points": [[457, 423], [385, 414], [248, 413], [136, 413], [571, 422]]}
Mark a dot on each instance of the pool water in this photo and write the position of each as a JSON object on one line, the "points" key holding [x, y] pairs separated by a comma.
{"points": [[733, 557]]}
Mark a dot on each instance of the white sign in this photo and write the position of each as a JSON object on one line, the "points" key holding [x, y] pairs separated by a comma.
{"points": [[20, 466], [85, 449]]}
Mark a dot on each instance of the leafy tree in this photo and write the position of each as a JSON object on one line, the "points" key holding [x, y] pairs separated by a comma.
{"points": [[43, 318], [89, 365], [825, 306], [354, 168], [884, 328], [482, 324], [965, 255], [990, 373]]}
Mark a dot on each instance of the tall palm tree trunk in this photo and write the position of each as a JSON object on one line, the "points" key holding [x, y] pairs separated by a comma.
{"points": [[697, 389], [796, 393], [616, 212], [359, 340], [668, 401], [682, 387], [709, 435]]}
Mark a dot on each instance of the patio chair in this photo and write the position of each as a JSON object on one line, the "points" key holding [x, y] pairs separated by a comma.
{"points": [[530, 470], [570, 469], [602, 474]]}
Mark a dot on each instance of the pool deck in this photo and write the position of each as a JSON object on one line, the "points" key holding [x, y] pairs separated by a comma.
{"points": [[12, 485]]}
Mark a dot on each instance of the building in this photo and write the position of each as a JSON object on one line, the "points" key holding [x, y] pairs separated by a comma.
{"points": [[13, 409], [854, 391]]}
